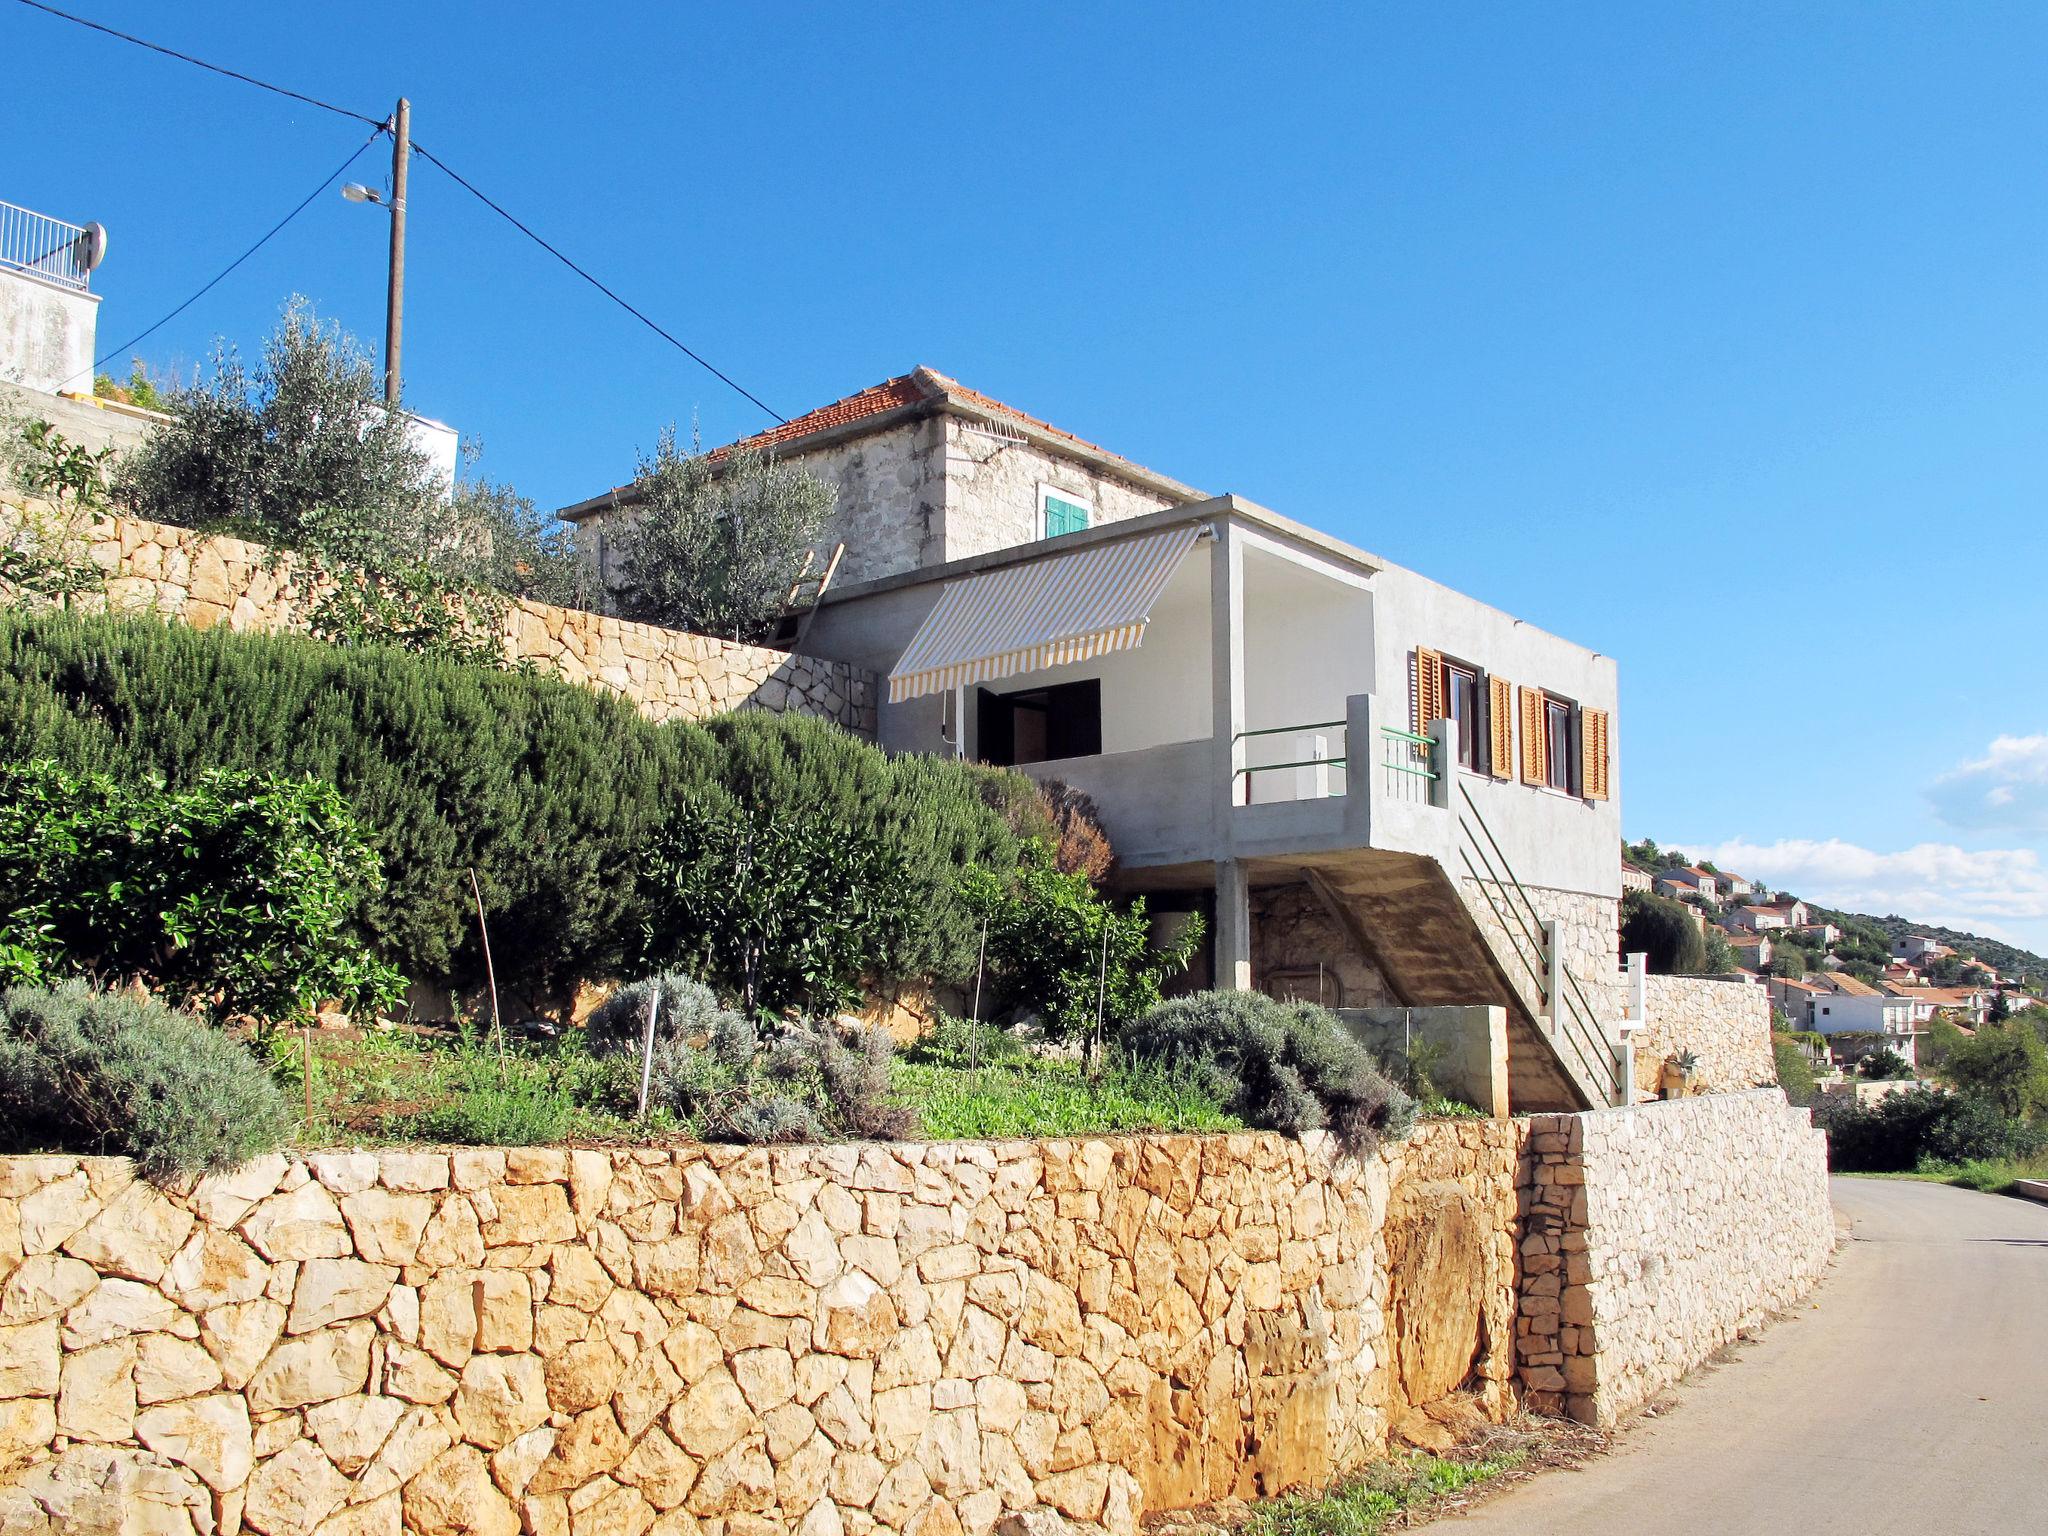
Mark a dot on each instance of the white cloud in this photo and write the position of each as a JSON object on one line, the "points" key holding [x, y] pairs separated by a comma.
{"points": [[2001, 893], [2005, 790]]}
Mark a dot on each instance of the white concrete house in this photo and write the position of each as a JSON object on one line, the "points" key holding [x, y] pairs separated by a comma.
{"points": [[48, 311], [1870, 1013], [1733, 886], [1358, 775], [1768, 915], [1685, 881]]}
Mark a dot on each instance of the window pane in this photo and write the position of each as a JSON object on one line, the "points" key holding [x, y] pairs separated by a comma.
{"points": [[1461, 693], [1557, 744]]}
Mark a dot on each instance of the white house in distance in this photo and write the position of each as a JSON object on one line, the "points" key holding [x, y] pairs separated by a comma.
{"points": [[1733, 886], [1686, 881], [1768, 915], [1380, 791], [1918, 949], [1868, 1013]]}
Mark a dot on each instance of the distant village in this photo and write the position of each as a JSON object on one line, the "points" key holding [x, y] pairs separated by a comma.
{"points": [[1874, 992]]}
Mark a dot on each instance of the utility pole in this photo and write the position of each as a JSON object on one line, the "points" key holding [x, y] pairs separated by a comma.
{"points": [[394, 301]]}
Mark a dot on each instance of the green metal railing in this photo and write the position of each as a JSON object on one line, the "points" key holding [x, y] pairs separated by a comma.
{"points": [[1572, 1016], [1341, 761]]}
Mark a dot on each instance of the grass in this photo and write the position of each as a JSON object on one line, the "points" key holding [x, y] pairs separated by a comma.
{"points": [[1437, 1107], [1370, 1502], [402, 1086], [1051, 1098], [1990, 1175]]}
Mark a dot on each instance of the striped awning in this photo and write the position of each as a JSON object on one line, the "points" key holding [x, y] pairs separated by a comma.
{"points": [[1044, 613]]}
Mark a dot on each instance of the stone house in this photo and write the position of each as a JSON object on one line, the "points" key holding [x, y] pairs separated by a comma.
{"points": [[927, 471], [1375, 789]]}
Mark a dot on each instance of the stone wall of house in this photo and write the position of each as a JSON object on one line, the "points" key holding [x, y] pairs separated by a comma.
{"points": [[205, 580], [1726, 1024], [1655, 1234], [1591, 930], [739, 1342], [991, 491], [1299, 950]]}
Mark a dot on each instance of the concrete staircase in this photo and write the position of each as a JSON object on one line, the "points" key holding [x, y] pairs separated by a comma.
{"points": [[1411, 919]]}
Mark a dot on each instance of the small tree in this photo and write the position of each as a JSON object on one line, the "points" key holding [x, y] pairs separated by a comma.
{"points": [[1664, 931], [300, 454], [716, 546], [1716, 957], [1885, 1065], [2005, 1065], [1060, 950], [1794, 1069]]}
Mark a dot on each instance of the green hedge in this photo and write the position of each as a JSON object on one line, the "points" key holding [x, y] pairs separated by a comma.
{"points": [[551, 792]]}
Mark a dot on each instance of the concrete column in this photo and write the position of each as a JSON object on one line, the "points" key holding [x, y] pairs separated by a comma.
{"points": [[1362, 773], [1233, 938], [1443, 762], [1226, 672]]}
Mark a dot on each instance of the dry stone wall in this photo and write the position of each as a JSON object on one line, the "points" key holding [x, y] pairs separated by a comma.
{"points": [[736, 1342], [205, 580], [1655, 1233], [1726, 1024]]}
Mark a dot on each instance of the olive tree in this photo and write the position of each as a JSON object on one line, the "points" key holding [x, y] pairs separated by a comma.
{"points": [[715, 545]]}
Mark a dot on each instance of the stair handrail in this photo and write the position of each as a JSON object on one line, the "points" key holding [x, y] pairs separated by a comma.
{"points": [[1576, 1020]]}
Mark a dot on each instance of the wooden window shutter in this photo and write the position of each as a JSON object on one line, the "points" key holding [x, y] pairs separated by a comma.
{"points": [[1594, 753], [1428, 693], [1534, 769], [1500, 720]]}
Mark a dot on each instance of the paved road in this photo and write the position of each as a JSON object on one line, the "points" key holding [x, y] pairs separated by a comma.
{"points": [[1913, 1400]]}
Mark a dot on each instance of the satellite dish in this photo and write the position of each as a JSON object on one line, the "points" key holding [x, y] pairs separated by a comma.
{"points": [[90, 248]]}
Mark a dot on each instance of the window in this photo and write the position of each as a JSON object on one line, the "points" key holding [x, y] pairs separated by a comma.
{"points": [[1463, 695], [1559, 760], [1061, 512], [1039, 725]]}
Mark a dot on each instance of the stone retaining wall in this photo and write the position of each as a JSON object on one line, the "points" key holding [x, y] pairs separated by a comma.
{"points": [[206, 580], [1655, 1234], [847, 1340], [1726, 1024], [736, 1342]]}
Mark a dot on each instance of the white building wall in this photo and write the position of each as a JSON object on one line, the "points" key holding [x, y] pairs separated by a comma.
{"points": [[46, 334]]}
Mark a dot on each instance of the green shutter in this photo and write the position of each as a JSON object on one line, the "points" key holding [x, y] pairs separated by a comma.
{"points": [[1063, 516]]}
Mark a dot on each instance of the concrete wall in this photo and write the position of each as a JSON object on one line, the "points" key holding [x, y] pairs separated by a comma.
{"points": [[838, 1339], [1550, 839], [1655, 1234], [668, 674], [93, 424], [1470, 1044], [1726, 1024], [46, 334]]}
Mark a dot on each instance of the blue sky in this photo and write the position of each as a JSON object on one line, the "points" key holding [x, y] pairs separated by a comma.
{"points": [[1711, 336]]}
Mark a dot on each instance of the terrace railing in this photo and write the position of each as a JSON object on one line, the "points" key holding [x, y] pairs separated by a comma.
{"points": [[1320, 771], [44, 247]]}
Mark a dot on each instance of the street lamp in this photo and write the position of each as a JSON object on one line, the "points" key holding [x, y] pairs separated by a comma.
{"points": [[394, 296]]}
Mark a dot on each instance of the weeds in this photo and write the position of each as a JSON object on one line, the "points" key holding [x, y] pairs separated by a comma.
{"points": [[1369, 1503], [1039, 1096]]}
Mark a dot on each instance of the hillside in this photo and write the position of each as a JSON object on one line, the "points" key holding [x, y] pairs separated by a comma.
{"points": [[2007, 959]]}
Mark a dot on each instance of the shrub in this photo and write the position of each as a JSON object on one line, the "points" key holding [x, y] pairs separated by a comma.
{"points": [[714, 547], [784, 909], [238, 893], [1027, 1095], [1662, 930], [1903, 1130], [1058, 949], [1079, 845], [544, 789], [91, 1072], [1885, 1065], [552, 793], [1285, 1066], [711, 1070], [937, 815], [1795, 1070]]}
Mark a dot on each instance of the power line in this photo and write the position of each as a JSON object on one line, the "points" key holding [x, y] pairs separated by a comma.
{"points": [[695, 357], [232, 74], [381, 124], [325, 182]]}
